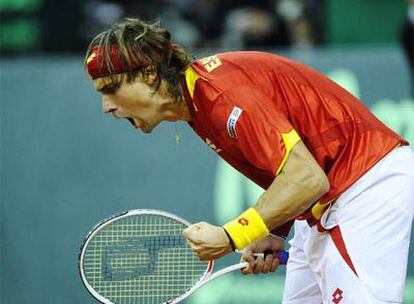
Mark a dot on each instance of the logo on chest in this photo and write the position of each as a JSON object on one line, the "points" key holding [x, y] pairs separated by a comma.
{"points": [[212, 145], [232, 121]]}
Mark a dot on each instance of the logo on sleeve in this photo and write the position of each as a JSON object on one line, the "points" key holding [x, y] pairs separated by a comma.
{"points": [[232, 121], [211, 63]]}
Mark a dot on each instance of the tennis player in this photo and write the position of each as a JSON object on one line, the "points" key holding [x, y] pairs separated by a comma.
{"points": [[327, 164]]}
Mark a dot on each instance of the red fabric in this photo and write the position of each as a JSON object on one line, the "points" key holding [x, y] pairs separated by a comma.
{"points": [[97, 65], [276, 95], [338, 240]]}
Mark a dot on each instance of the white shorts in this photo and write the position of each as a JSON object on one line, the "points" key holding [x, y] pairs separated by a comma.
{"points": [[363, 258]]}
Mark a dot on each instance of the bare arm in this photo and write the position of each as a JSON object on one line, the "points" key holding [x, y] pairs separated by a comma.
{"points": [[300, 183]]}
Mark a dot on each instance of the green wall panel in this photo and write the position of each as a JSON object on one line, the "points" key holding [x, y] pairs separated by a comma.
{"points": [[364, 21]]}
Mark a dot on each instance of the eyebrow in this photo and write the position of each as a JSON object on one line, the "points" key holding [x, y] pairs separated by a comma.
{"points": [[107, 88], [102, 88]]}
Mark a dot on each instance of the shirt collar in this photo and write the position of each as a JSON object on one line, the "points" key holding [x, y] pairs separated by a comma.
{"points": [[188, 82]]}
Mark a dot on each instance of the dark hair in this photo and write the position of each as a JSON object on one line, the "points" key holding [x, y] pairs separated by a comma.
{"points": [[147, 44]]}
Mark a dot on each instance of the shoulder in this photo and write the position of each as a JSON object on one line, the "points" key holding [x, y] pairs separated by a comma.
{"points": [[223, 63], [242, 107]]}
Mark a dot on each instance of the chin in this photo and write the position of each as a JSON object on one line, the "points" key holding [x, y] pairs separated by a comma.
{"points": [[148, 128], [147, 131]]}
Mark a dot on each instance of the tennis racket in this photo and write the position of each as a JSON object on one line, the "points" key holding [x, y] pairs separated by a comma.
{"points": [[141, 257]]}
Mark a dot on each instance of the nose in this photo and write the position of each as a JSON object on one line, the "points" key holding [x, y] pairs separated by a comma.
{"points": [[107, 105]]}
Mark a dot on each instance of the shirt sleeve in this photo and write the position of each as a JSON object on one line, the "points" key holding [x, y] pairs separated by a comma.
{"points": [[252, 124]]}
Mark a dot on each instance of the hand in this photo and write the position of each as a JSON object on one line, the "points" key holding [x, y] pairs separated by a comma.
{"points": [[209, 242], [258, 264]]}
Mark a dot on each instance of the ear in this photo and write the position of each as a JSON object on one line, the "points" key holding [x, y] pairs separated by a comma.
{"points": [[149, 75]]}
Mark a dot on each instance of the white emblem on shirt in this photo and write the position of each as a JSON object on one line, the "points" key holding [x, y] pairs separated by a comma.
{"points": [[232, 121], [211, 63]]}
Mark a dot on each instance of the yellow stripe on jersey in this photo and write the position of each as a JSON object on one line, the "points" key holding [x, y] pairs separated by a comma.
{"points": [[290, 139], [318, 209], [190, 78]]}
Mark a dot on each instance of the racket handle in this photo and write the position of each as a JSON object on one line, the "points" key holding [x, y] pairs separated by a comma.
{"points": [[283, 255]]}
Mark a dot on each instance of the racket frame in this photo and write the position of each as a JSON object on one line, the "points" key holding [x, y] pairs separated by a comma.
{"points": [[122, 215]]}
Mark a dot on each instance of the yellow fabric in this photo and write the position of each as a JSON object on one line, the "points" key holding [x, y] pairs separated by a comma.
{"points": [[290, 139], [90, 58], [318, 209], [246, 229], [190, 78]]}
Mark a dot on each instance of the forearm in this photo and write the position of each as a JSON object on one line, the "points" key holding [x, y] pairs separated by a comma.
{"points": [[299, 184]]}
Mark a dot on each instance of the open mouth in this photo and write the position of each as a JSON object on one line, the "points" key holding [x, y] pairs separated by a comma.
{"points": [[140, 126], [131, 121]]}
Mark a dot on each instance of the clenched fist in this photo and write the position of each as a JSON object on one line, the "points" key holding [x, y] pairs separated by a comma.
{"points": [[208, 242]]}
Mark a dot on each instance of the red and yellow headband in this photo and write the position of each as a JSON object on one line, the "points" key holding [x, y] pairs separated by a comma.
{"points": [[97, 65]]}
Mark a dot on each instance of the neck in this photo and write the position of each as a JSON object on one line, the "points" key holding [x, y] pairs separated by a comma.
{"points": [[182, 112], [174, 111]]}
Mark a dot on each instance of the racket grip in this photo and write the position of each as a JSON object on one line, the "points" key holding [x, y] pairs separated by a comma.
{"points": [[283, 255]]}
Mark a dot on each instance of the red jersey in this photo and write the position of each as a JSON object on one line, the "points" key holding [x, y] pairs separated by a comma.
{"points": [[252, 107]]}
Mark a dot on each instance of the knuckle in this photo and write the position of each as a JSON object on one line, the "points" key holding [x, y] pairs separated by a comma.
{"points": [[246, 272]]}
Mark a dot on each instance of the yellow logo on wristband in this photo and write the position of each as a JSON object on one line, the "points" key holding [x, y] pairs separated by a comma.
{"points": [[246, 229], [242, 221]]}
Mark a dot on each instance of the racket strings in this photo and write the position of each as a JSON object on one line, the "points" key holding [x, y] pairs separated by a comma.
{"points": [[141, 259]]}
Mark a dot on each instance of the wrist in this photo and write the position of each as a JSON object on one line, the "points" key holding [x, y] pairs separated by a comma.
{"points": [[277, 236], [246, 229], [233, 247]]}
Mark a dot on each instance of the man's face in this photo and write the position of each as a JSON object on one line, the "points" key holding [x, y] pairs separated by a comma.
{"points": [[134, 101]]}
